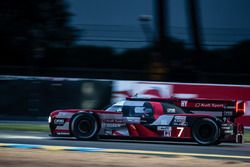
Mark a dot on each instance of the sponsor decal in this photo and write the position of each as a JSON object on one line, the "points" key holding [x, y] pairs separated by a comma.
{"points": [[230, 107], [166, 130], [180, 121], [228, 113], [226, 128], [135, 120], [171, 110], [64, 115], [58, 121], [184, 103], [62, 133], [209, 105], [162, 128], [115, 121], [110, 125], [229, 132], [65, 126]]}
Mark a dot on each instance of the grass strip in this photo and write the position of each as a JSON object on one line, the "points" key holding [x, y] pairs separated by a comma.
{"points": [[24, 127], [247, 136]]}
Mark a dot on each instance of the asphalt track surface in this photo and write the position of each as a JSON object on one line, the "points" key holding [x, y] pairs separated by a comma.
{"points": [[41, 138]]}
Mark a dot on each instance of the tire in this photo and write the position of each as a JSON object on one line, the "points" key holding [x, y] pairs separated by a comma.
{"points": [[84, 127], [205, 131]]}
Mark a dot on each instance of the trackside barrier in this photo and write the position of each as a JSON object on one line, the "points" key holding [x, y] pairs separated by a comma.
{"points": [[37, 96]]}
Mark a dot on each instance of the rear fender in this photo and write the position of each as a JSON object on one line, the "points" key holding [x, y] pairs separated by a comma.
{"points": [[193, 119]]}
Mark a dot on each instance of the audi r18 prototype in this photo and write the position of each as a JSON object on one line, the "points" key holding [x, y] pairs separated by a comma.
{"points": [[205, 121]]}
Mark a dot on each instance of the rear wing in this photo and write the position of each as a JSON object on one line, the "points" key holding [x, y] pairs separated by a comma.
{"points": [[218, 108]]}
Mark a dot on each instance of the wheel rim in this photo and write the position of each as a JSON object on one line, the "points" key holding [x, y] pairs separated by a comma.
{"points": [[85, 126], [206, 131]]}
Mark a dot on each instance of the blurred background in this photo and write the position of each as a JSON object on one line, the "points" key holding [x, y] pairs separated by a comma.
{"points": [[194, 41], [164, 40]]}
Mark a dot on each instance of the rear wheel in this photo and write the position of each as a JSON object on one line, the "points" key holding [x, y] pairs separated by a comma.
{"points": [[205, 131], [84, 127]]}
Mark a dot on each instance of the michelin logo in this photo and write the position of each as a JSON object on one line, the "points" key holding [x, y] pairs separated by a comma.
{"points": [[180, 121]]}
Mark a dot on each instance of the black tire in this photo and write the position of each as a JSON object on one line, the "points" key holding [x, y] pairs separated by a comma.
{"points": [[84, 127], [205, 131]]}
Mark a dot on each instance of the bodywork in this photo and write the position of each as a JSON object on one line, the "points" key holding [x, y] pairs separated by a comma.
{"points": [[171, 119]]}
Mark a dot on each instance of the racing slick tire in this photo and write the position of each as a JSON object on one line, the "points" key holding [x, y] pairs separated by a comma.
{"points": [[205, 131], [84, 127]]}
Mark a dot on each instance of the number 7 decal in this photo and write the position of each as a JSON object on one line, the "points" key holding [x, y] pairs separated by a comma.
{"points": [[180, 132]]}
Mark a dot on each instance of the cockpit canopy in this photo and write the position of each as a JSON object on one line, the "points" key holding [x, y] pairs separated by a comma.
{"points": [[138, 108]]}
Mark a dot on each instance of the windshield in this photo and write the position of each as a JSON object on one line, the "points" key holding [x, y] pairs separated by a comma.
{"points": [[117, 107], [114, 108]]}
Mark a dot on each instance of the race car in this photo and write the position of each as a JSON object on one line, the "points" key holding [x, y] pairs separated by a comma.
{"points": [[207, 122]]}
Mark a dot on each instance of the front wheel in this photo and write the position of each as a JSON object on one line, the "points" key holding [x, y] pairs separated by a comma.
{"points": [[205, 131], [84, 127]]}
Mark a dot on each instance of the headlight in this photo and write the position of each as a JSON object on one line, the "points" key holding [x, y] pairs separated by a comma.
{"points": [[49, 119]]}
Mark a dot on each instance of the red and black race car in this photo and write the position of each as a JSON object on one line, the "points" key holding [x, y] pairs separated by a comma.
{"points": [[205, 121]]}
